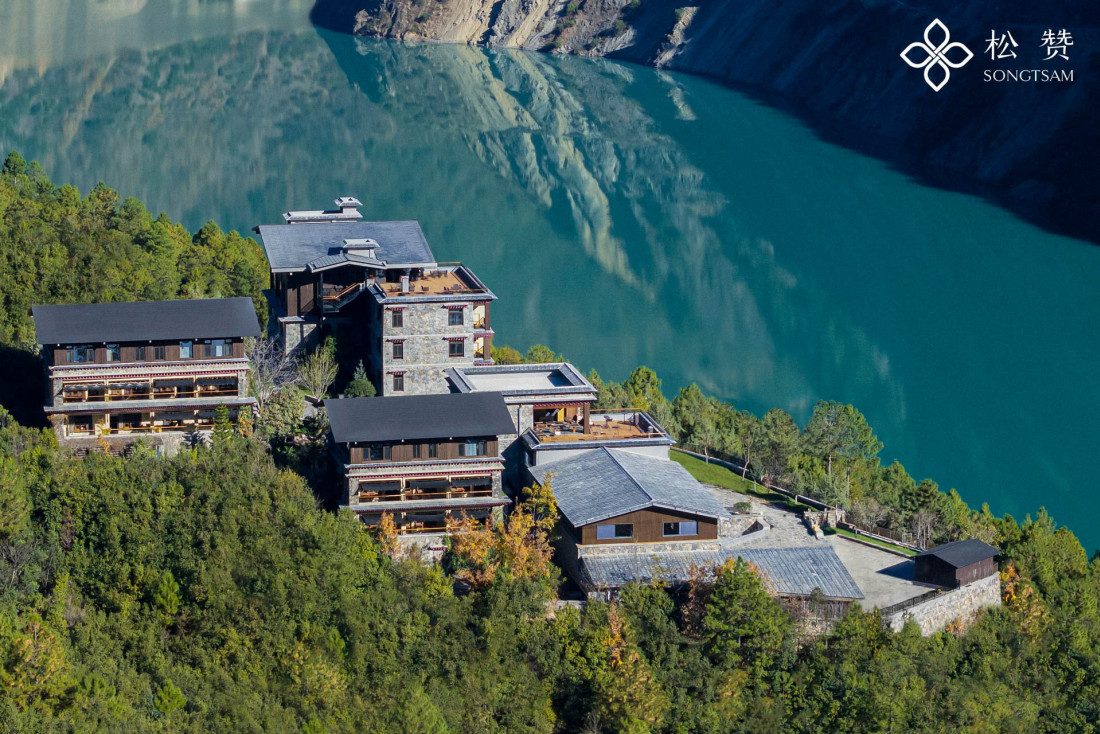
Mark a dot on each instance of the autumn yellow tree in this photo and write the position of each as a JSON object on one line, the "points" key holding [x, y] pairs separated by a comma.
{"points": [[519, 547]]}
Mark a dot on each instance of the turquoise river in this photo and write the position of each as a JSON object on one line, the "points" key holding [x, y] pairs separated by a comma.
{"points": [[623, 215]]}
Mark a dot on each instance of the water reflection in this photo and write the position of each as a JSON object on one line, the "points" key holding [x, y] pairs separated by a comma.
{"points": [[624, 216]]}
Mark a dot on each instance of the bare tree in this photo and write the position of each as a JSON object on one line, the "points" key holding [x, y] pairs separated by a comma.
{"points": [[272, 370], [923, 524], [868, 513]]}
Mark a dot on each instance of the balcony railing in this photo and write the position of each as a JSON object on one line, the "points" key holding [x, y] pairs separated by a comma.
{"points": [[371, 497], [335, 297], [120, 430], [165, 394]]}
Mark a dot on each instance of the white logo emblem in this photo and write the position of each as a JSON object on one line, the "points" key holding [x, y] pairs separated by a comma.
{"points": [[936, 55]]}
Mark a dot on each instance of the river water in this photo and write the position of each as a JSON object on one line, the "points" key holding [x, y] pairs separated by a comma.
{"points": [[623, 215]]}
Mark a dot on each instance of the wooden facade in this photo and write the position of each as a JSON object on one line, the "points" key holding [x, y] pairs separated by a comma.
{"points": [[648, 527], [297, 291], [404, 451], [128, 352], [931, 569]]}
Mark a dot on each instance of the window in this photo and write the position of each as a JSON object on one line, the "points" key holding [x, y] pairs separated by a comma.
{"points": [[399, 382], [416, 451], [399, 350], [433, 451], [454, 317], [80, 353], [473, 448], [457, 349], [681, 528], [216, 348], [139, 354], [114, 354], [158, 352], [185, 350], [378, 452], [613, 532], [397, 319]]}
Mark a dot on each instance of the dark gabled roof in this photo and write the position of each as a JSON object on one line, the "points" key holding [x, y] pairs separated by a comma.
{"points": [[87, 323], [962, 552], [294, 246], [408, 417], [602, 483]]}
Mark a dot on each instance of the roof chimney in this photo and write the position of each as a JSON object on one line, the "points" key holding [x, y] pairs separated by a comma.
{"points": [[365, 246], [404, 284], [345, 211], [348, 204]]}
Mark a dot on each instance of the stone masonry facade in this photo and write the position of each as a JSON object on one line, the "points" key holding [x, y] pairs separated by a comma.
{"points": [[958, 606], [425, 336]]}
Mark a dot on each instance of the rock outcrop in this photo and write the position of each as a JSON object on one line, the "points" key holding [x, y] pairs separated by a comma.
{"points": [[1031, 146]]}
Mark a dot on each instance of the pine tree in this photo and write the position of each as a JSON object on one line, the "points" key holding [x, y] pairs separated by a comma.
{"points": [[223, 426], [360, 386], [743, 624]]}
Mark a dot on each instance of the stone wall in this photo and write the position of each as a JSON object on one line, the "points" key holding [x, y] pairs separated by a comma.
{"points": [[299, 336], [424, 332], [959, 605]]}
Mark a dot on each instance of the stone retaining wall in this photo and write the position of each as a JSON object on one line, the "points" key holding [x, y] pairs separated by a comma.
{"points": [[959, 605]]}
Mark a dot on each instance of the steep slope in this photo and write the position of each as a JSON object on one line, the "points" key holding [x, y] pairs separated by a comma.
{"points": [[1029, 146]]}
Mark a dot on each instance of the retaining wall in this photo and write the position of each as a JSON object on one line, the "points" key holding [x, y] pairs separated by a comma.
{"points": [[957, 605]]}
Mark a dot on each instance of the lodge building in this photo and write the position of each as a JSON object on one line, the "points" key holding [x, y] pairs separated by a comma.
{"points": [[424, 459], [416, 317], [147, 367]]}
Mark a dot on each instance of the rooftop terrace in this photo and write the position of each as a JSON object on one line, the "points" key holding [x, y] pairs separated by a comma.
{"points": [[605, 426], [449, 280]]}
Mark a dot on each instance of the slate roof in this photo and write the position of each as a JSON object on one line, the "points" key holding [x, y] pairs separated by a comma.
{"points": [[293, 246], [87, 323], [329, 261], [786, 571], [405, 417], [603, 483], [962, 553]]}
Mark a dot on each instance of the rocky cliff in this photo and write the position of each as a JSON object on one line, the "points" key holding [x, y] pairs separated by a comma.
{"points": [[1031, 146]]}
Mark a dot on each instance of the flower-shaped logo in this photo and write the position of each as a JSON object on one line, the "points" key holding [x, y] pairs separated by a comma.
{"points": [[931, 55]]}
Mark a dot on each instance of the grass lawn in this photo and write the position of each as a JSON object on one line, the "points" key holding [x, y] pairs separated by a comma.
{"points": [[723, 477], [872, 541]]}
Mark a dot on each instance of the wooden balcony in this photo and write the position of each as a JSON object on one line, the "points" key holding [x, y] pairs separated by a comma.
{"points": [[107, 396], [367, 497]]}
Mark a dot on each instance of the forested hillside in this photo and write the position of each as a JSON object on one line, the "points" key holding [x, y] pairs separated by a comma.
{"points": [[208, 592], [59, 247]]}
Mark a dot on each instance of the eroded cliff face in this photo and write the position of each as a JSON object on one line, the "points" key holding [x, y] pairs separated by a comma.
{"points": [[1030, 146]]}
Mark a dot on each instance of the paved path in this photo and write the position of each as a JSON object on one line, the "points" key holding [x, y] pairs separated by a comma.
{"points": [[885, 578]]}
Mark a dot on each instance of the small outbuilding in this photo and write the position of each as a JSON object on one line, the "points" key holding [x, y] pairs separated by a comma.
{"points": [[956, 564]]}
